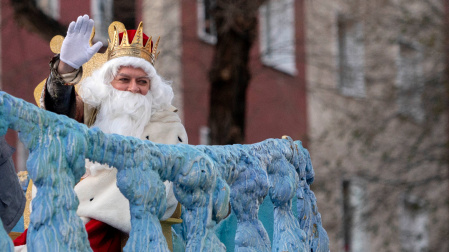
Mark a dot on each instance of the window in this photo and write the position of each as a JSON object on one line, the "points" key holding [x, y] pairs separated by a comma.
{"points": [[354, 232], [413, 224], [277, 35], [206, 23], [350, 58], [409, 81], [49, 7], [102, 12]]}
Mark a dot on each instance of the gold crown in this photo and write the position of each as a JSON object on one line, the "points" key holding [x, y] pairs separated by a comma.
{"points": [[135, 49]]}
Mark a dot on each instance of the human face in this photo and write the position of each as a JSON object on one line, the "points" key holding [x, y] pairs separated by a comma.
{"points": [[131, 79]]}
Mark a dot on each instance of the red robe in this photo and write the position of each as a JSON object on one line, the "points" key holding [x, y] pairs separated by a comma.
{"points": [[102, 237]]}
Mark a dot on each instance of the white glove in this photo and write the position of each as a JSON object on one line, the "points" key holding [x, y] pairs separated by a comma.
{"points": [[75, 50]]}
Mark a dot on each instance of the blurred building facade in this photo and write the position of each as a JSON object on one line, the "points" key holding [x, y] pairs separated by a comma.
{"points": [[276, 95], [276, 98], [378, 120]]}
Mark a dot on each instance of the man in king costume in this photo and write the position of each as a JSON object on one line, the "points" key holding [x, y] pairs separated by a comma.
{"points": [[124, 96]]}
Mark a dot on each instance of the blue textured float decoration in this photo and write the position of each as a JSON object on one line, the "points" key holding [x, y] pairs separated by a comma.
{"points": [[206, 180]]}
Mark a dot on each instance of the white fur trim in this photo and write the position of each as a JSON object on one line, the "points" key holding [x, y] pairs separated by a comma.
{"points": [[101, 199], [108, 204], [21, 248]]}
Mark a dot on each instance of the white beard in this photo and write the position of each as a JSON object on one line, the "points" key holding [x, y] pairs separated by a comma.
{"points": [[120, 112], [124, 113]]}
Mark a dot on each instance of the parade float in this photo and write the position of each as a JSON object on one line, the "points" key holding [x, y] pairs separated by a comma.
{"points": [[210, 182]]}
